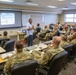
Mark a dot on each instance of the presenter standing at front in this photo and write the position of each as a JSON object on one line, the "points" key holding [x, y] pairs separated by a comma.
{"points": [[30, 28]]}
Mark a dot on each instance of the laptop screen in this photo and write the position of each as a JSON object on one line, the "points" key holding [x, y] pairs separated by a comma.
{"points": [[24, 30]]}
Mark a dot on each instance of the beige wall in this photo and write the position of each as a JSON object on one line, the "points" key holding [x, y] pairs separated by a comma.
{"points": [[61, 16], [11, 31]]}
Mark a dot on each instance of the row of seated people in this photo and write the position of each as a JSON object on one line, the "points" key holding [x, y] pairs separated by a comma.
{"points": [[6, 42], [42, 57], [48, 36], [4, 38], [5, 35]]}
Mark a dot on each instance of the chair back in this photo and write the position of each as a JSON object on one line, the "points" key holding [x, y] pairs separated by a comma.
{"points": [[9, 45], [27, 67], [68, 47], [56, 63], [73, 52], [38, 30], [3, 40]]}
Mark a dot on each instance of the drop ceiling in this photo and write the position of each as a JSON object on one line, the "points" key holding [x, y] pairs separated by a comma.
{"points": [[42, 5]]}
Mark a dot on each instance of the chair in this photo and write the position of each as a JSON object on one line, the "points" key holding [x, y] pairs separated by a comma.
{"points": [[9, 45], [38, 30], [27, 67], [68, 47], [3, 40], [73, 53], [55, 65]]}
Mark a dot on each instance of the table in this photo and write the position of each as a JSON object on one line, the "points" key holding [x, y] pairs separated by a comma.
{"points": [[2, 50], [20, 35]]}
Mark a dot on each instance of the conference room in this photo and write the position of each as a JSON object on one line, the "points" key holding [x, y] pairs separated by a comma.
{"points": [[37, 37]]}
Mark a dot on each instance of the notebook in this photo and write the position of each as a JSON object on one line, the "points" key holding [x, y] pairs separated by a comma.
{"points": [[31, 47]]}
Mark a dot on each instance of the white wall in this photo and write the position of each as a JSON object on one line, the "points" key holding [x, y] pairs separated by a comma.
{"points": [[43, 19]]}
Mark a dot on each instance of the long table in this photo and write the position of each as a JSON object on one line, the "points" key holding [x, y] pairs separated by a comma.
{"points": [[5, 56], [2, 50]]}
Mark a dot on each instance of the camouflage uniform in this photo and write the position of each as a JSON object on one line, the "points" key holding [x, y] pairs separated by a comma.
{"points": [[42, 60], [15, 59], [51, 34], [67, 33], [63, 44], [70, 37], [73, 41], [42, 32], [5, 37]]}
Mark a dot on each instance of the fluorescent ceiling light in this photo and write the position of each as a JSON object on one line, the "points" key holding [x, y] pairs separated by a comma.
{"points": [[7, 0], [60, 0], [64, 8], [52, 6], [32, 4], [74, 3]]}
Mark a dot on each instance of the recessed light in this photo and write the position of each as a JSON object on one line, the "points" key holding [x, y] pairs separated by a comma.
{"points": [[60, 0], [32, 4], [52, 6], [73, 3], [7, 0]]}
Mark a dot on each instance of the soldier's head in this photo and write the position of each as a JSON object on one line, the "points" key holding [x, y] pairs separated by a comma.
{"points": [[74, 36], [73, 30], [56, 41], [19, 46], [5, 33], [30, 21], [63, 38], [45, 26]]}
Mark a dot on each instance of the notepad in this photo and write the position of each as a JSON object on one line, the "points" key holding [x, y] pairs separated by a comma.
{"points": [[4, 56], [1, 60], [10, 54]]}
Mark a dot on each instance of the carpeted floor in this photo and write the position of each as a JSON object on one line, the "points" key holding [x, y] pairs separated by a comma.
{"points": [[70, 69]]}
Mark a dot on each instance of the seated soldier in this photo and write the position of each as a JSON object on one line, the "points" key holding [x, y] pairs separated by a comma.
{"points": [[44, 56], [43, 32], [18, 57], [67, 31], [5, 35], [72, 32], [63, 42], [51, 34], [36, 30], [73, 39]]}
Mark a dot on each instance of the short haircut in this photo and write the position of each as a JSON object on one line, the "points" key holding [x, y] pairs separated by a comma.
{"points": [[57, 40], [64, 37], [74, 36], [30, 19], [19, 46], [5, 33]]}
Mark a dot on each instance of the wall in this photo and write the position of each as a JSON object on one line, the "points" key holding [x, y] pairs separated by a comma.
{"points": [[43, 19], [61, 16]]}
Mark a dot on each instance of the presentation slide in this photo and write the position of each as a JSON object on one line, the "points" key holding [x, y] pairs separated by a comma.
{"points": [[7, 18]]}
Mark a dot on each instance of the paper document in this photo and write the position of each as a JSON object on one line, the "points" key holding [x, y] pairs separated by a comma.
{"points": [[4, 56]]}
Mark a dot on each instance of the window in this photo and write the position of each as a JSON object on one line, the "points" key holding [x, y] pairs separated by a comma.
{"points": [[75, 18], [69, 18]]}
